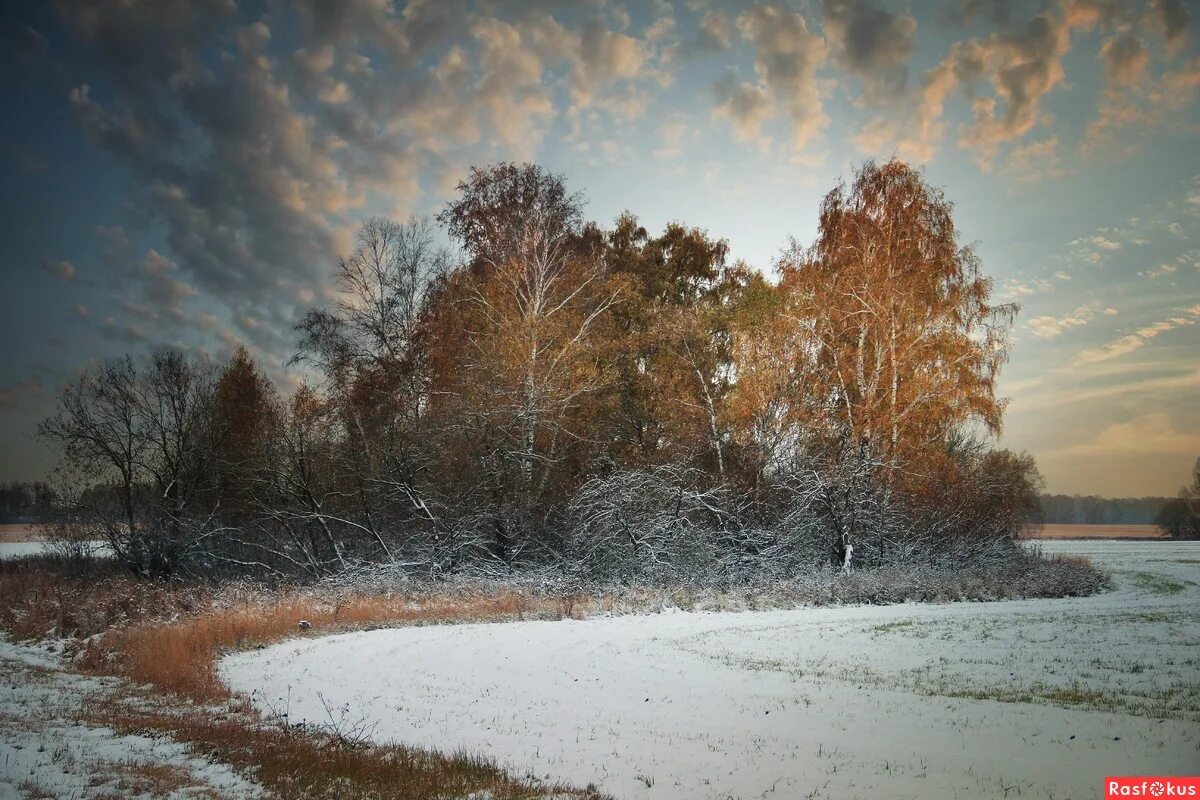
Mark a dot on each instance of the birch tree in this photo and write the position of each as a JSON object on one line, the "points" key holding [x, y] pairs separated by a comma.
{"points": [[520, 359], [897, 317], [898, 313]]}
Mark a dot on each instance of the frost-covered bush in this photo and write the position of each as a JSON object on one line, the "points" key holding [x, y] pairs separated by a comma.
{"points": [[652, 524]]}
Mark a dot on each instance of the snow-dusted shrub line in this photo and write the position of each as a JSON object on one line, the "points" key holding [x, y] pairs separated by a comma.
{"points": [[1023, 575]]}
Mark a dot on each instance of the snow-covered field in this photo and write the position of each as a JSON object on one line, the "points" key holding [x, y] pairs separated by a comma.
{"points": [[1027, 698], [19, 549]]}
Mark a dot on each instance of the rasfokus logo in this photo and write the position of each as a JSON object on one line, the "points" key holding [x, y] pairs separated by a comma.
{"points": [[1151, 786]]}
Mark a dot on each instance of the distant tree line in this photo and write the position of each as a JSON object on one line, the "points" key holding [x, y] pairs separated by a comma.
{"points": [[1064, 509], [25, 502], [1180, 515], [605, 402]]}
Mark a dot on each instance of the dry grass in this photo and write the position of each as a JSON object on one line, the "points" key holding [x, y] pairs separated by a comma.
{"points": [[45, 596], [115, 780], [166, 638], [180, 655], [169, 635], [293, 764]]}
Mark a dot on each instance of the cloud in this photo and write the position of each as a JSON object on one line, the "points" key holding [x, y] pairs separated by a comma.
{"points": [[510, 89], [917, 131], [1133, 97], [1134, 381], [870, 43], [745, 105], [1023, 66], [258, 142], [161, 287], [63, 270], [958, 13], [787, 57], [604, 57], [1015, 288], [116, 242], [1161, 271], [714, 34], [674, 134], [1096, 248], [30, 47], [1052, 327], [1171, 18], [1036, 159], [1125, 60], [127, 333], [14, 395], [1008, 75], [1148, 434], [1140, 338]]}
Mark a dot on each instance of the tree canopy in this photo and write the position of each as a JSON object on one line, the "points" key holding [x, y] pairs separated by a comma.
{"points": [[559, 390]]}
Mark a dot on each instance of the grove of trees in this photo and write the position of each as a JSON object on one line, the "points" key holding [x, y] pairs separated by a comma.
{"points": [[1179, 517], [25, 502], [612, 403], [1067, 509]]}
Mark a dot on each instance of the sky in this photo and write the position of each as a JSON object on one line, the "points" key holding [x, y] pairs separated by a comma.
{"points": [[186, 172]]}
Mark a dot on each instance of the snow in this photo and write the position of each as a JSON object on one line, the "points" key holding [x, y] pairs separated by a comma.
{"points": [[855, 701], [20, 549], [46, 751]]}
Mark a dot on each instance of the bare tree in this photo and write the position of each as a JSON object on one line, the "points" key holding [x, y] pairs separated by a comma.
{"points": [[133, 448]]}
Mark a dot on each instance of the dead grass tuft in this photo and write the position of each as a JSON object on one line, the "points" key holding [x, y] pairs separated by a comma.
{"points": [[48, 596], [123, 779]]}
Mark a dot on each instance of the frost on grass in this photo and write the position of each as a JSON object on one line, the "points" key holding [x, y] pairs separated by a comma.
{"points": [[1028, 697], [47, 750]]}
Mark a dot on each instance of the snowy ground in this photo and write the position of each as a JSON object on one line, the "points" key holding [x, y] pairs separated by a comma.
{"points": [[47, 751], [19, 549], [1028, 698]]}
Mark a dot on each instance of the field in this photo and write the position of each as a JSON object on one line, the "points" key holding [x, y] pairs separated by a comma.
{"points": [[1098, 532], [1038, 698], [19, 533], [16, 548]]}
